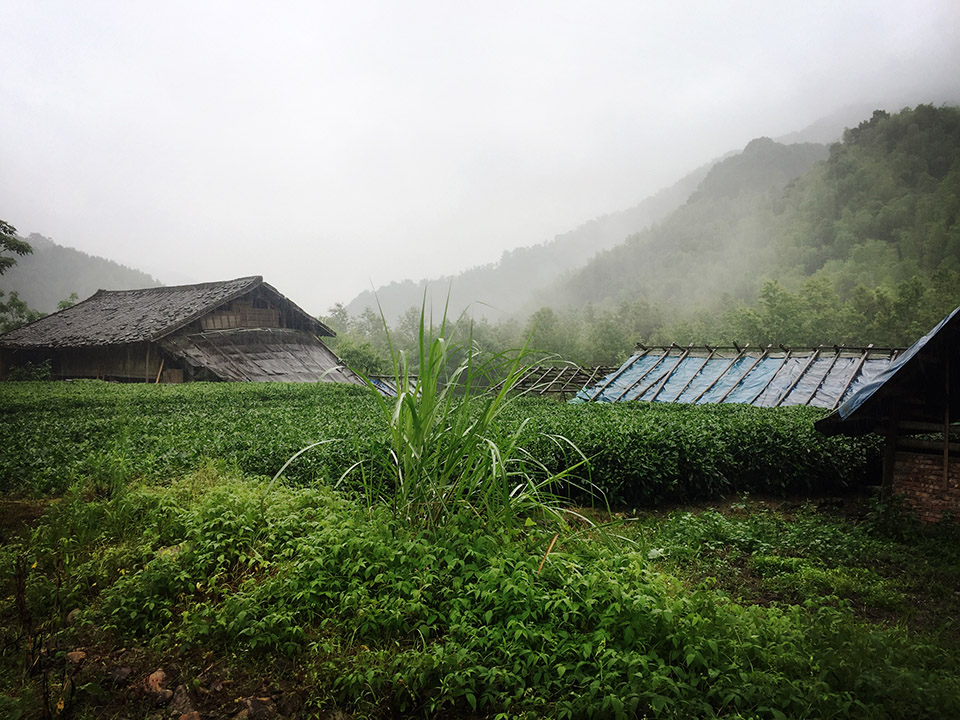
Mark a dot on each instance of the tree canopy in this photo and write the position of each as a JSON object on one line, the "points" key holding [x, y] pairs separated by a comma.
{"points": [[10, 243]]}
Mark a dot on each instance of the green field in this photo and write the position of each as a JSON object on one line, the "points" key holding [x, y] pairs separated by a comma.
{"points": [[58, 433], [734, 567]]}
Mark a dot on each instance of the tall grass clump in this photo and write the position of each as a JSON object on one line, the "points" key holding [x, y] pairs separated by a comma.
{"points": [[449, 453]]}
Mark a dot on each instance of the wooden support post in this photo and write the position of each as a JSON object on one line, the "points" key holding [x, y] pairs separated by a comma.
{"points": [[796, 381], [665, 378], [743, 375], [692, 377], [559, 377], [889, 458], [946, 422], [159, 372], [536, 383], [616, 375], [826, 374], [776, 372]]}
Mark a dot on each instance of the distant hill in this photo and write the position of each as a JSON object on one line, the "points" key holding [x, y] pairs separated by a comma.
{"points": [[875, 220], [600, 261], [829, 129], [851, 243], [714, 244], [52, 272], [509, 285]]}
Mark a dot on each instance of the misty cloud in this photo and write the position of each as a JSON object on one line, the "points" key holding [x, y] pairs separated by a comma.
{"points": [[329, 147]]}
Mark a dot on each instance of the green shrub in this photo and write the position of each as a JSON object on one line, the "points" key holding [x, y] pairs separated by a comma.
{"points": [[58, 433]]}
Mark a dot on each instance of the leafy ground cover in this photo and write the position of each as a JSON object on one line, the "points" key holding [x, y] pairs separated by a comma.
{"points": [[176, 571], [319, 605]]}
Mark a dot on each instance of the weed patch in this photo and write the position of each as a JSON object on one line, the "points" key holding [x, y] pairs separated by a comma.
{"points": [[377, 617]]}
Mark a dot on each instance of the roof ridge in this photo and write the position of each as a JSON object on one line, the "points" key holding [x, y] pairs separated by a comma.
{"points": [[247, 280]]}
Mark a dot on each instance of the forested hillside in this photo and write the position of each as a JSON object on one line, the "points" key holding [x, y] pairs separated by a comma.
{"points": [[794, 244], [717, 242], [509, 285], [51, 273]]}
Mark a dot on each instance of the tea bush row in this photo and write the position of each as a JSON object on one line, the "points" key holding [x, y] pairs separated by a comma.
{"points": [[645, 453], [56, 433]]}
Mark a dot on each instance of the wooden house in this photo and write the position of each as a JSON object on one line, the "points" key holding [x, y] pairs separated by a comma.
{"points": [[236, 330], [915, 405]]}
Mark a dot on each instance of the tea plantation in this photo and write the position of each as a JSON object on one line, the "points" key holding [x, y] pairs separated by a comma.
{"points": [[154, 565]]}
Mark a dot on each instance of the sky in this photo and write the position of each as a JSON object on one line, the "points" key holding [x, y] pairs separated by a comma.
{"points": [[333, 147]]}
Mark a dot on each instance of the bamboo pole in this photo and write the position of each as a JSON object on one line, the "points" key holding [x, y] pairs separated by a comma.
{"points": [[706, 360], [853, 375], [775, 373], [665, 378], [616, 375], [796, 381], [823, 379], [740, 355], [640, 379], [744, 375]]}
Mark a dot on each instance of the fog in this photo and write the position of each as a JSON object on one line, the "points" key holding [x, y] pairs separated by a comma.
{"points": [[331, 147]]}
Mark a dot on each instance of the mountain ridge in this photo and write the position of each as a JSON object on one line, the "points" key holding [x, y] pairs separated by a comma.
{"points": [[52, 272]]}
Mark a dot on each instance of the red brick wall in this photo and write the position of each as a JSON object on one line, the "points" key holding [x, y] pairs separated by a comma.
{"points": [[918, 477]]}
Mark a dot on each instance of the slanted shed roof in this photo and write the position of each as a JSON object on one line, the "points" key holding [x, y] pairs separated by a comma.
{"points": [[763, 377], [921, 386], [117, 317], [260, 355], [559, 380]]}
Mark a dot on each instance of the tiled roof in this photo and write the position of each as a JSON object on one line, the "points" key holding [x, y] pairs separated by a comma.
{"points": [[116, 317]]}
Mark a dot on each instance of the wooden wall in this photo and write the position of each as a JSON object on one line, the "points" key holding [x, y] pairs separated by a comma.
{"points": [[243, 313], [138, 362]]}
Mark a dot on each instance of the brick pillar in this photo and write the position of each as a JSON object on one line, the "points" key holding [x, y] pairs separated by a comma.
{"points": [[918, 477]]}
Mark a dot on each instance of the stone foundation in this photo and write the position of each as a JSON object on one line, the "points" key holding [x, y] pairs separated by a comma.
{"points": [[918, 477]]}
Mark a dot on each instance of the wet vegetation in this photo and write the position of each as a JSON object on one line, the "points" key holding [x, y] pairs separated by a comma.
{"points": [[168, 543], [457, 551]]}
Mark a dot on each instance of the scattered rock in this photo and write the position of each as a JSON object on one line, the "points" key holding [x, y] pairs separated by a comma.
{"points": [[256, 708], [154, 685], [72, 616], [192, 715], [121, 675], [181, 703], [154, 682], [76, 657], [290, 703]]}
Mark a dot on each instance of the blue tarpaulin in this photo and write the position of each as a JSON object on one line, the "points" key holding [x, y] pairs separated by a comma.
{"points": [[765, 377], [868, 389]]}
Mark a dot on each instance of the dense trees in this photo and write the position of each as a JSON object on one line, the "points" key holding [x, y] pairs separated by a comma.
{"points": [[774, 247], [13, 311]]}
